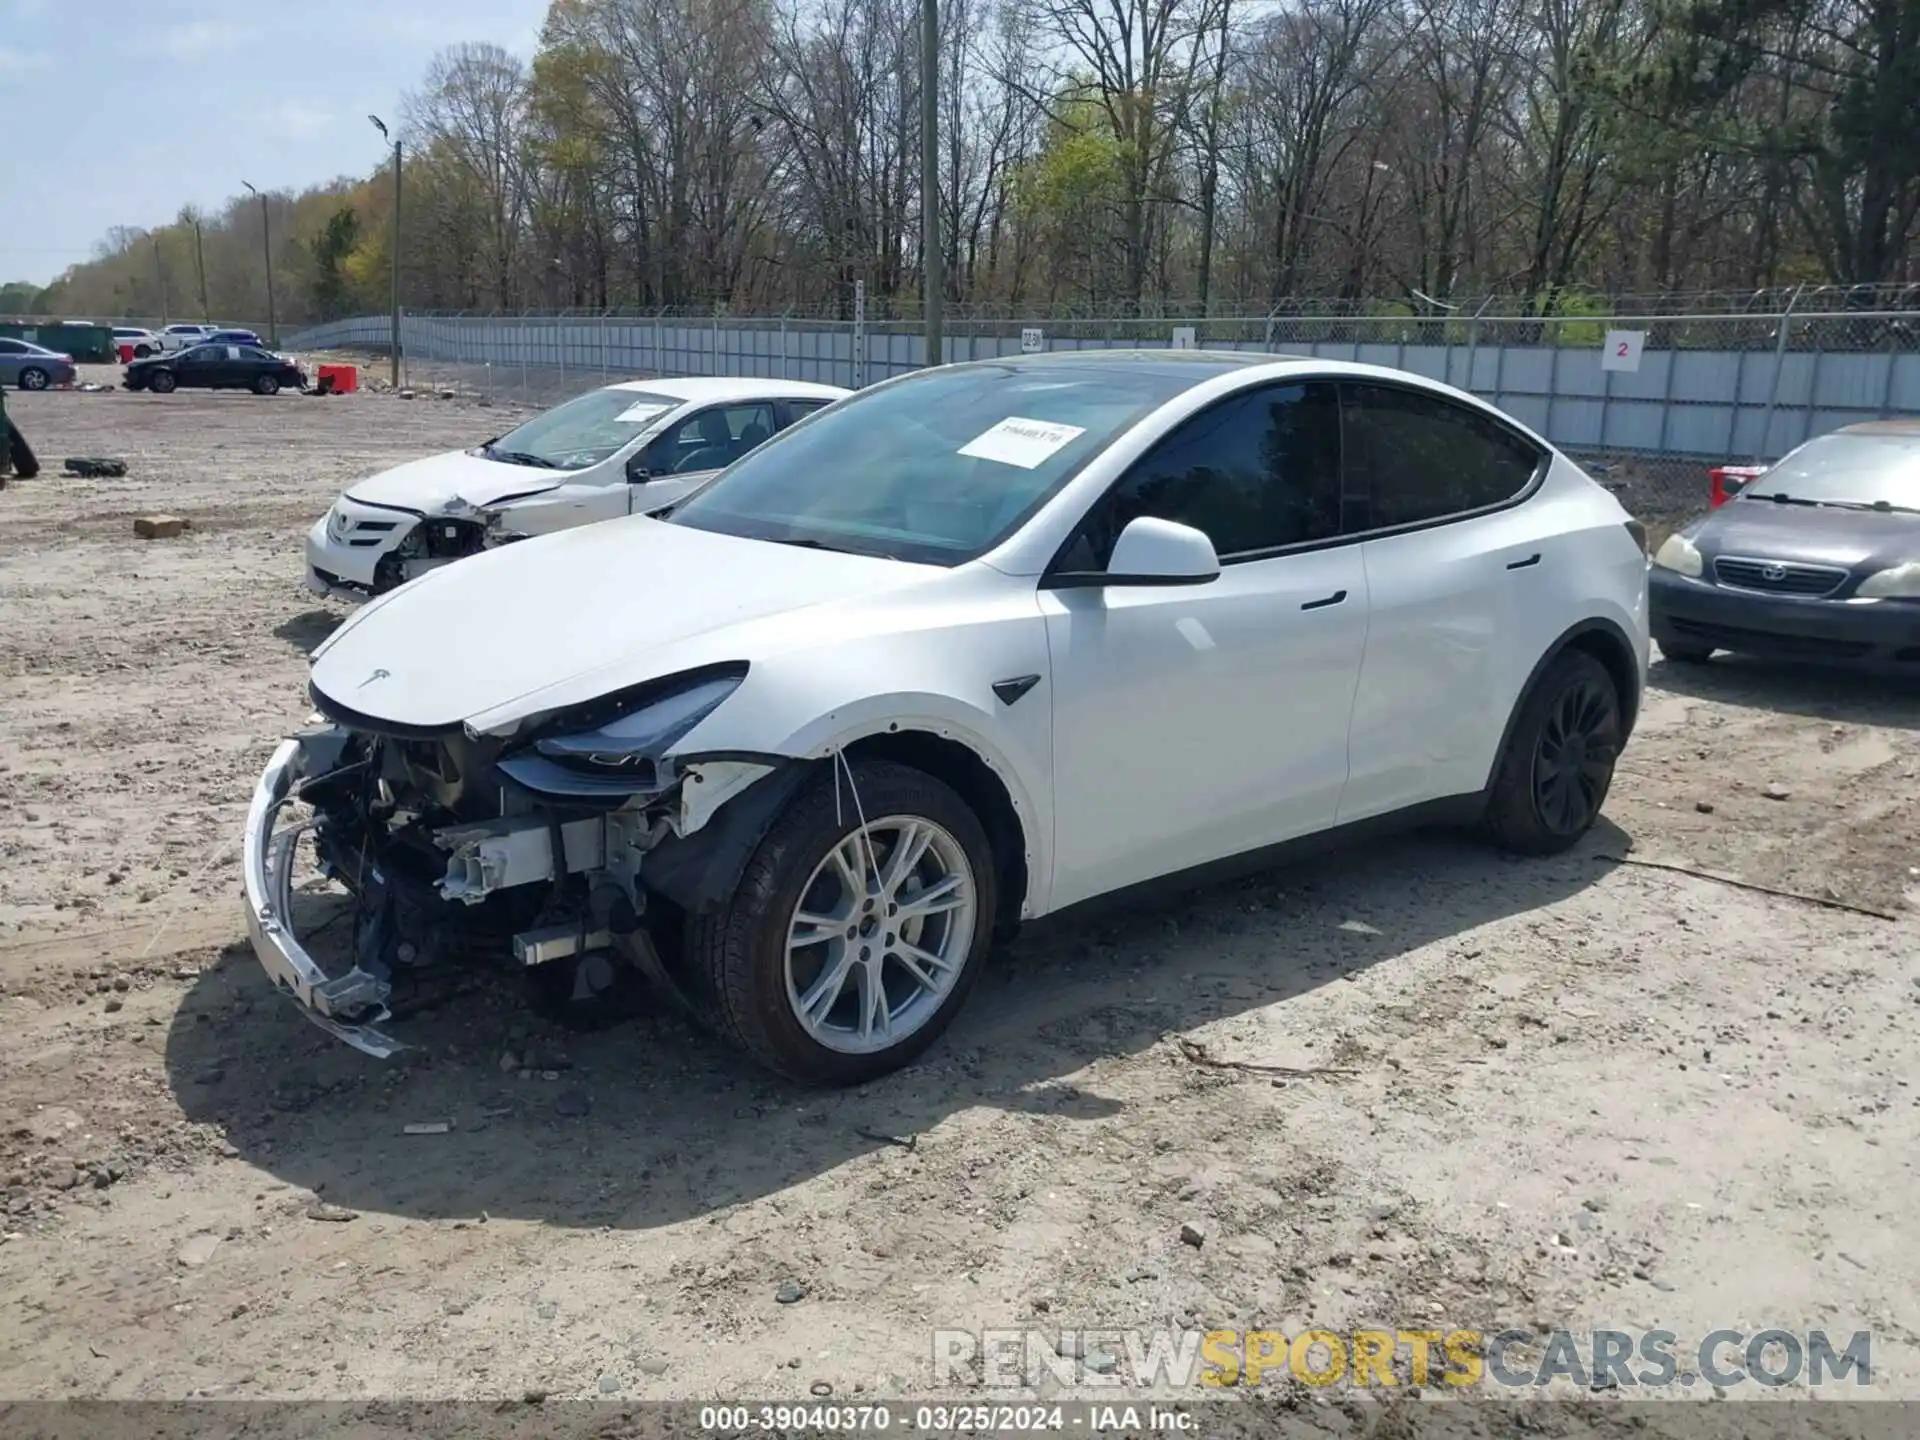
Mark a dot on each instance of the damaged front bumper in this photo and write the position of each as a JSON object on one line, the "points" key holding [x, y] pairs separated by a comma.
{"points": [[347, 1007]]}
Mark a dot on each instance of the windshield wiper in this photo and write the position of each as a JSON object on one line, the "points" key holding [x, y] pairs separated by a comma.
{"points": [[517, 457], [1884, 507], [810, 544]]}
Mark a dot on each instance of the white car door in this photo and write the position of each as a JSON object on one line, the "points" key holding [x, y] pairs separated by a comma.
{"points": [[1450, 578], [1195, 722], [695, 449]]}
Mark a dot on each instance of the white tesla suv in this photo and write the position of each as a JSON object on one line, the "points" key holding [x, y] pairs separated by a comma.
{"points": [[968, 647], [632, 448]]}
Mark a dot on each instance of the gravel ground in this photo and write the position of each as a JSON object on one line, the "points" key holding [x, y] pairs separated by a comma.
{"points": [[1579, 1092]]}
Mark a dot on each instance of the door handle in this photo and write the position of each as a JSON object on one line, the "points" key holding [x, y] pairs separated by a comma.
{"points": [[1533, 559], [1334, 599]]}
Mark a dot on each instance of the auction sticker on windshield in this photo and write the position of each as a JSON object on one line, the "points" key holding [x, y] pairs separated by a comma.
{"points": [[1019, 441], [639, 414]]}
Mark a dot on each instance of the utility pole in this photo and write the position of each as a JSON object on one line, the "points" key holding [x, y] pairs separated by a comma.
{"points": [[160, 270], [393, 244], [930, 260], [266, 245], [200, 265]]}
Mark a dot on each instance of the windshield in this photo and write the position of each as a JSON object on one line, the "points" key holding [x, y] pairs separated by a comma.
{"points": [[1876, 470], [582, 432], [937, 468]]}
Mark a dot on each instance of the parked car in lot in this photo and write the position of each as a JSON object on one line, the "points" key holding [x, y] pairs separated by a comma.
{"points": [[966, 648], [27, 366], [636, 447], [235, 337], [142, 342], [216, 367], [1817, 558], [185, 336]]}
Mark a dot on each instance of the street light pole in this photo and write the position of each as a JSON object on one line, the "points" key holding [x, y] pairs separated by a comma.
{"points": [[393, 245], [266, 245], [931, 257]]}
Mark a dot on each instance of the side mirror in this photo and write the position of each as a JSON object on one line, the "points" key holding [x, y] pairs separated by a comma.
{"points": [[1150, 552], [637, 471]]}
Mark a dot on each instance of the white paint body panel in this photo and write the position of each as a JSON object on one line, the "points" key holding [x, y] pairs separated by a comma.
{"points": [[1195, 722], [1171, 725]]}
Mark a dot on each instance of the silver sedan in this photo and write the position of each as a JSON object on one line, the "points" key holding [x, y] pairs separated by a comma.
{"points": [[27, 366]]}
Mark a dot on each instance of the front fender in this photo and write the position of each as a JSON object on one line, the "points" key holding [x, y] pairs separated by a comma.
{"points": [[1018, 767]]}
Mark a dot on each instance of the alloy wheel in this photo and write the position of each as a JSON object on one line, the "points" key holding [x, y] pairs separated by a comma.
{"points": [[880, 935], [1573, 763]]}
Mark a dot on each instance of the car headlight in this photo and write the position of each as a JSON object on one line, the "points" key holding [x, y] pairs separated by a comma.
{"points": [[1679, 554], [337, 522], [1896, 582], [613, 743]]}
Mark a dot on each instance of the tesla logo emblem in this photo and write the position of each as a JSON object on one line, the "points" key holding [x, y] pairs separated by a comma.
{"points": [[376, 675], [1773, 572]]}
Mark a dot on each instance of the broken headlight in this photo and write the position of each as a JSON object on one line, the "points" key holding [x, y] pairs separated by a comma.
{"points": [[612, 745]]}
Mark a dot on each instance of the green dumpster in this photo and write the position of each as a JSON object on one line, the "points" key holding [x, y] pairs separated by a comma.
{"points": [[85, 341]]}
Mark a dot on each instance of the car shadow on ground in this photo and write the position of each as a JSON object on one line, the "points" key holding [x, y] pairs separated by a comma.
{"points": [[677, 1125], [1845, 696], [305, 631]]}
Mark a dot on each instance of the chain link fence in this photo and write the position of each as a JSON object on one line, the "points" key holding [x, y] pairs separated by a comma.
{"points": [[1648, 402]]}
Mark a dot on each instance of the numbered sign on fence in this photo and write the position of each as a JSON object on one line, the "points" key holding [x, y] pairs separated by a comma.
{"points": [[1622, 350], [1033, 341], [1183, 337]]}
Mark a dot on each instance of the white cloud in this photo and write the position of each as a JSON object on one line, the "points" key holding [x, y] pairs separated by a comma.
{"points": [[300, 121], [19, 62], [198, 38]]}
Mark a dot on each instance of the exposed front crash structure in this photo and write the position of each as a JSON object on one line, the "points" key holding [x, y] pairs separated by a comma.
{"points": [[544, 851]]}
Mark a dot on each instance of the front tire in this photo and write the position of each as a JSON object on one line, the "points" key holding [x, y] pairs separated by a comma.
{"points": [[161, 382], [1558, 765], [265, 385], [141, 352], [844, 953], [34, 378]]}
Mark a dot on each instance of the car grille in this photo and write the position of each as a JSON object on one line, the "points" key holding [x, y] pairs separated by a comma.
{"points": [[1778, 577], [370, 532]]}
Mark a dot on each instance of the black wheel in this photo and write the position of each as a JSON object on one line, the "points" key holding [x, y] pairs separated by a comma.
{"points": [[34, 378], [846, 949], [1551, 782], [161, 382], [265, 385], [141, 352], [1682, 654]]}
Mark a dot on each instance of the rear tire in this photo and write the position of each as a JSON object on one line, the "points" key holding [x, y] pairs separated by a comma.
{"points": [[161, 382], [753, 965], [1554, 776], [265, 385], [34, 378]]}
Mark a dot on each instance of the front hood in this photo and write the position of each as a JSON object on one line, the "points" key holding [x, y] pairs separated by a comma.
{"points": [[427, 486], [1850, 539], [568, 617]]}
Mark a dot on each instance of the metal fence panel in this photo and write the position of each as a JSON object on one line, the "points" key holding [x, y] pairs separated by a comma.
{"points": [[1713, 386]]}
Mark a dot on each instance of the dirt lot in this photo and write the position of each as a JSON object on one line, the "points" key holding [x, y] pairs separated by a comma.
{"points": [[1578, 1092]]}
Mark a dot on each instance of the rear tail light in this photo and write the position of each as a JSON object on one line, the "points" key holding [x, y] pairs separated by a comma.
{"points": [[1639, 534]]}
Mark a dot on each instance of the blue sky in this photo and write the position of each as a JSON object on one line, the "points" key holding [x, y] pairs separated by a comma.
{"points": [[196, 98]]}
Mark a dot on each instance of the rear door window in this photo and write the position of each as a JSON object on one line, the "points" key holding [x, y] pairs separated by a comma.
{"points": [[1415, 458]]}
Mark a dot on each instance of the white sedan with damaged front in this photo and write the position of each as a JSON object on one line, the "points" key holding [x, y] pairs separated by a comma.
{"points": [[628, 449], [967, 648]]}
